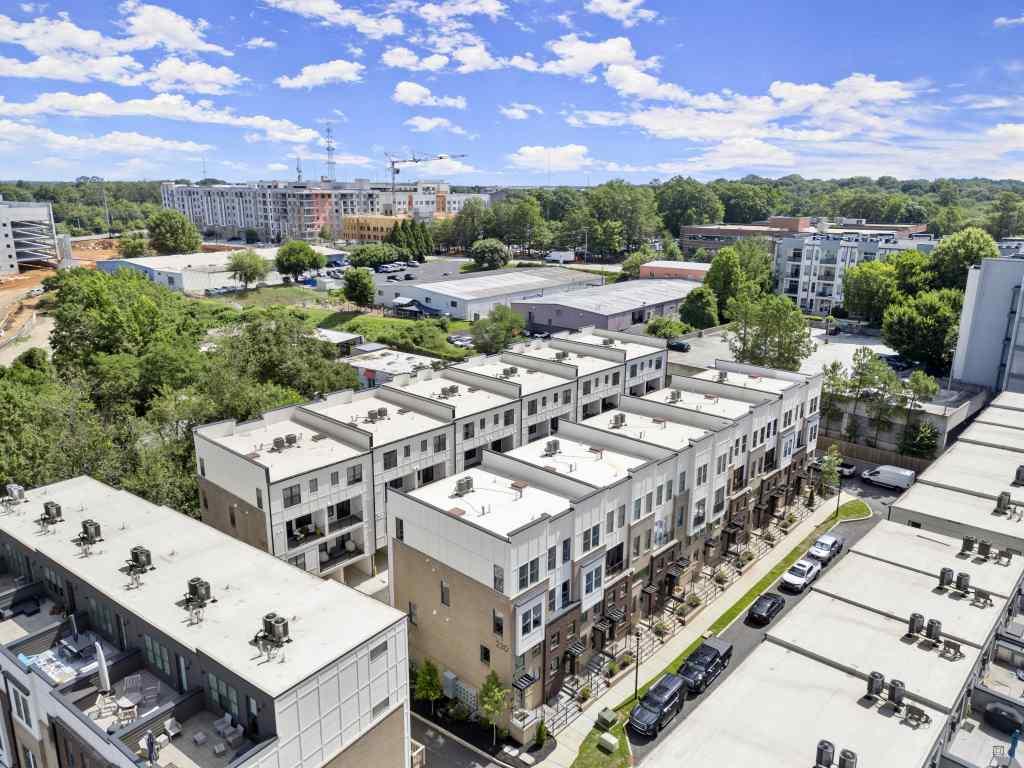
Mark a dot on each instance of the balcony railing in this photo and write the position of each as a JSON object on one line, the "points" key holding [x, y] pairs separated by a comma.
{"points": [[336, 557], [333, 526]]}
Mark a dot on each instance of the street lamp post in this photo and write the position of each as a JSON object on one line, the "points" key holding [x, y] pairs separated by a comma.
{"points": [[636, 665]]}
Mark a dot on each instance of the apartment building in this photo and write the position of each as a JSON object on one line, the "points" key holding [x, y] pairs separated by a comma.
{"points": [[809, 268], [27, 234], [132, 634]]}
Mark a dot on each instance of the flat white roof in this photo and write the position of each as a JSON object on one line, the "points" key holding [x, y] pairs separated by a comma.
{"points": [[667, 434], [493, 504], [618, 298], [390, 361], [898, 592], [394, 426], [178, 262], [703, 266], [930, 552], [335, 337], [594, 465], [759, 383], [994, 435], [246, 582], [467, 401], [530, 380], [1004, 417], [585, 364], [860, 642], [255, 439], [976, 469], [776, 706], [633, 350], [503, 282], [694, 401], [959, 508]]}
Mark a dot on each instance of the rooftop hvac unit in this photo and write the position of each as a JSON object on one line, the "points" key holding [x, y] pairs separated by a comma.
{"points": [[984, 548], [551, 447], [968, 545], [52, 512], [618, 420], [945, 578], [897, 690], [608, 342], [963, 582], [513, 371], [291, 439], [674, 395], [453, 390], [141, 557], [561, 355], [371, 415], [198, 589], [723, 375], [1018, 478], [916, 624], [825, 754], [382, 413], [15, 491], [847, 759], [934, 630], [876, 684], [91, 532], [463, 486], [279, 443], [275, 627], [1003, 503]]}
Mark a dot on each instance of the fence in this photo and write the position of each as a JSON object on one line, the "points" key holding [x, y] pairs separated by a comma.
{"points": [[873, 455]]}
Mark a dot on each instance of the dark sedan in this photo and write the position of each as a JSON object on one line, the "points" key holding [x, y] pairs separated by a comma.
{"points": [[765, 608]]}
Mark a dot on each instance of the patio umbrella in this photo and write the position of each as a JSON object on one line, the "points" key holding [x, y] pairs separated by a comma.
{"points": [[150, 747], [101, 667], [74, 627]]}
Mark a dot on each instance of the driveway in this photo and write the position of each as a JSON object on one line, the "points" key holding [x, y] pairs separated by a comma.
{"points": [[744, 638]]}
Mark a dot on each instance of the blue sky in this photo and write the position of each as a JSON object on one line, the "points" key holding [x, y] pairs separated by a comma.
{"points": [[530, 91]]}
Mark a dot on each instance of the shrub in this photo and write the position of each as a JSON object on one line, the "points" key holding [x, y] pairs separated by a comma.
{"points": [[791, 519], [693, 600], [584, 693], [721, 577], [459, 712], [542, 734], [626, 660], [746, 556], [660, 629], [612, 670]]}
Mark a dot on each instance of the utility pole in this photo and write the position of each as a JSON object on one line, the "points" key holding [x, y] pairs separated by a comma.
{"points": [[329, 145]]}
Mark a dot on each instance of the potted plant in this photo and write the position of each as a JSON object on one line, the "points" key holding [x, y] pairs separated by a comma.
{"points": [[721, 577], [660, 629], [745, 557], [612, 670], [584, 694], [626, 660], [693, 600]]}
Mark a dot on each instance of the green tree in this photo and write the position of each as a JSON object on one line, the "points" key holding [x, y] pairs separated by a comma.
{"points": [[955, 254], [865, 373], [947, 220], [834, 387], [829, 477], [755, 257], [428, 683], [247, 267], [489, 253], [631, 266], [408, 236], [924, 327], [868, 288], [913, 271], [496, 331], [627, 215], [426, 237], [359, 286], [921, 441], [768, 330], [685, 201], [1007, 216], [132, 245], [470, 223], [670, 248], [493, 702], [373, 254], [170, 232], [745, 202], [251, 236], [700, 308], [294, 258], [920, 388], [665, 327], [886, 400], [725, 278]]}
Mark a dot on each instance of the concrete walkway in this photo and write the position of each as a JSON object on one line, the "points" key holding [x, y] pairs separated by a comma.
{"points": [[571, 738]]}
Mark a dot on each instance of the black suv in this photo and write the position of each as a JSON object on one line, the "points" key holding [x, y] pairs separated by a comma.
{"points": [[705, 664], [661, 703]]}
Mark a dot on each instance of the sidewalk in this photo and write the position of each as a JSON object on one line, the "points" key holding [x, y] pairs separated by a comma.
{"points": [[571, 738]]}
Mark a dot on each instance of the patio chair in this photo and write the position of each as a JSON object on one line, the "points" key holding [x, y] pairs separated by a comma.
{"points": [[234, 736], [172, 727], [151, 694], [223, 725], [131, 683]]}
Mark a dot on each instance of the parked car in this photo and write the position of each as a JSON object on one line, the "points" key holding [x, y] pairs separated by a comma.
{"points": [[897, 363], [392, 277], [540, 335], [705, 664], [846, 469], [461, 340], [409, 276], [397, 266], [37, 291], [765, 608], [412, 264], [658, 706], [382, 268], [827, 548], [889, 476], [679, 345], [800, 575]]}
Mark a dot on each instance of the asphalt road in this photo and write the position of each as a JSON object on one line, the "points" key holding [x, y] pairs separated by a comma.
{"points": [[745, 638], [443, 752]]}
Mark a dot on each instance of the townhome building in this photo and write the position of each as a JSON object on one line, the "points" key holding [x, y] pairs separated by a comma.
{"points": [[131, 635]]}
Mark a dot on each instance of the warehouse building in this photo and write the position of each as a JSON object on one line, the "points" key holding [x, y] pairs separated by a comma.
{"points": [[609, 307], [471, 298], [676, 270]]}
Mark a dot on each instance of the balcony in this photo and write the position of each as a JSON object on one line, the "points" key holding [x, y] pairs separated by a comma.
{"points": [[341, 523], [338, 552], [827, 260]]}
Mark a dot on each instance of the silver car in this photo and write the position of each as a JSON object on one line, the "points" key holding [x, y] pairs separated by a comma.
{"points": [[827, 548], [801, 574]]}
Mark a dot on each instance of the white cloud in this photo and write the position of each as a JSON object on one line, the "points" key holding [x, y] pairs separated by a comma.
{"points": [[235, 165], [422, 124], [149, 26], [1006, 21], [519, 110], [331, 13], [476, 58], [53, 163], [312, 75], [114, 143], [403, 58], [569, 157], [174, 74], [630, 82], [260, 42], [32, 7], [445, 167], [355, 51], [628, 12], [578, 57], [441, 13], [165, 106], [277, 167], [565, 19], [74, 68], [417, 95]]}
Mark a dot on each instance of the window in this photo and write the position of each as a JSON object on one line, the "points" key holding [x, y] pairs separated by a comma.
{"points": [[446, 597], [719, 500], [566, 550], [377, 651], [586, 387], [440, 443], [632, 370], [721, 463], [406, 451], [524, 576], [649, 503], [202, 467], [702, 474], [536, 616], [412, 613], [622, 515], [30, 757], [565, 593], [812, 432], [510, 417], [659, 498], [380, 707], [636, 546], [531, 408], [21, 706], [314, 485], [544, 401], [567, 396], [552, 556], [259, 498], [335, 479], [609, 524], [535, 570], [468, 430], [668, 490], [657, 364], [399, 529], [593, 580], [682, 481], [354, 474], [485, 655], [556, 640], [647, 539], [551, 600], [591, 538], [499, 579], [813, 406], [636, 509], [291, 495], [497, 623], [524, 625], [390, 459], [423, 446]]}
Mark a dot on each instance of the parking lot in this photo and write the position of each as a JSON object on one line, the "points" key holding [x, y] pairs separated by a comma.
{"points": [[745, 638], [428, 272]]}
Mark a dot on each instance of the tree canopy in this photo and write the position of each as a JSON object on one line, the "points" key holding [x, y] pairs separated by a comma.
{"points": [[700, 308], [665, 327], [725, 278], [247, 267], [297, 257], [170, 232], [359, 286], [955, 254], [924, 327], [768, 330], [868, 288], [685, 201], [496, 331], [489, 253]]}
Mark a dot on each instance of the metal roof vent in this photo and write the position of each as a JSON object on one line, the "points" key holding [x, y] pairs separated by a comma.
{"points": [[15, 492], [968, 545], [876, 684], [934, 630], [847, 759], [50, 517], [291, 439], [673, 397], [1003, 502], [897, 690], [608, 342], [279, 443], [945, 578], [916, 624], [984, 548], [552, 447], [963, 582]]}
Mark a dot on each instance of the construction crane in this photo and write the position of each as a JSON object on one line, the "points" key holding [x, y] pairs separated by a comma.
{"points": [[394, 163]]}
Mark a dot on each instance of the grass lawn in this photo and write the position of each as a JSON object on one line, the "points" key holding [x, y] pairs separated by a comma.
{"points": [[592, 756], [282, 295], [335, 320]]}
